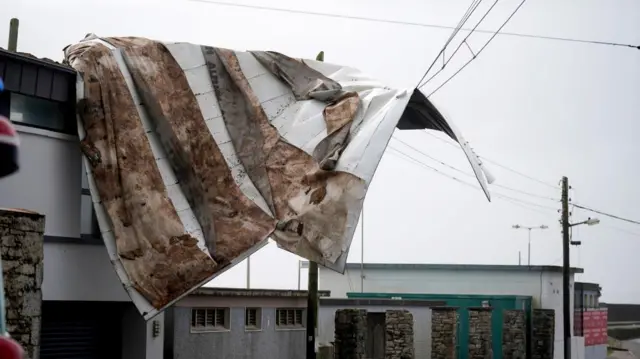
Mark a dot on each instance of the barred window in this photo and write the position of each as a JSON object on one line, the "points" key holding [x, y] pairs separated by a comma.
{"points": [[289, 318], [252, 318], [208, 319]]}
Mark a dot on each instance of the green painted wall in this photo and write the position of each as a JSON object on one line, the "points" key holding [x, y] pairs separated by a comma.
{"points": [[499, 303]]}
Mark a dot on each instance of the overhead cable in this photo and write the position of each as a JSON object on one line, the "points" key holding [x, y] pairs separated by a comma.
{"points": [[464, 41], [606, 214], [479, 51], [472, 175], [500, 195], [494, 162], [407, 23], [472, 8]]}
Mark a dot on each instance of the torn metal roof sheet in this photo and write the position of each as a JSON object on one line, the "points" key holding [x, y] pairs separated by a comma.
{"points": [[197, 155]]}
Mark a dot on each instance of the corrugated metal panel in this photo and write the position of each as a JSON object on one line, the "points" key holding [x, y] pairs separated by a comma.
{"points": [[68, 339]]}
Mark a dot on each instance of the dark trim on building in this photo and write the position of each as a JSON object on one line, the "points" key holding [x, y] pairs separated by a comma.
{"points": [[594, 287], [86, 191], [84, 239], [457, 267], [29, 76], [239, 292], [349, 302]]}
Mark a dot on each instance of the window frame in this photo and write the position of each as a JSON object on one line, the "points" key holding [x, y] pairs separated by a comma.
{"points": [[257, 326], [295, 314], [206, 328], [66, 110]]}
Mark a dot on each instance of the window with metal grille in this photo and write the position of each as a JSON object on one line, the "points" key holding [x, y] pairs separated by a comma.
{"points": [[253, 318], [289, 318], [208, 319]]}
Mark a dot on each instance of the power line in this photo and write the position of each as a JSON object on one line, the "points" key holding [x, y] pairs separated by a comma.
{"points": [[606, 214], [464, 41], [409, 23], [472, 8], [472, 175], [494, 162], [479, 51], [499, 195]]}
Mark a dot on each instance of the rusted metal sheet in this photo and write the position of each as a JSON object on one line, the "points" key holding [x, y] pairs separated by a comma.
{"points": [[196, 155], [161, 261]]}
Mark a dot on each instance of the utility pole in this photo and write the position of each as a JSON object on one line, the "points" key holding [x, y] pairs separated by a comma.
{"points": [[13, 35], [566, 264], [249, 272], [312, 292], [362, 251]]}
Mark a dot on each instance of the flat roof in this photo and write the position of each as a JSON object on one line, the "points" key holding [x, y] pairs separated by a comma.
{"points": [[457, 267], [243, 292]]}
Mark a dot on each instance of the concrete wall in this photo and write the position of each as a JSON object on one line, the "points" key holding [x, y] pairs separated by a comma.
{"points": [[544, 287], [21, 242], [236, 343], [50, 182], [421, 325]]}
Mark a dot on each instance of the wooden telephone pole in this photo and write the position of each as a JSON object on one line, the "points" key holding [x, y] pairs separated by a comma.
{"points": [[312, 294], [566, 267]]}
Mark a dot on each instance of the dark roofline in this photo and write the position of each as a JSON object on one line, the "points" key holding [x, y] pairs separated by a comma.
{"points": [[243, 292], [380, 302], [23, 57], [458, 267]]}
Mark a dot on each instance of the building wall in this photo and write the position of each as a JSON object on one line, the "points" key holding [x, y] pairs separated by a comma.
{"points": [[50, 182], [421, 325], [544, 287], [236, 343]]}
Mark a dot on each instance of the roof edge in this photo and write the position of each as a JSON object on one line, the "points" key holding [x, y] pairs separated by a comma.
{"points": [[459, 267]]}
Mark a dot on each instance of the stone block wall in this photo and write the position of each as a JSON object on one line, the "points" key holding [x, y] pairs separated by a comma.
{"points": [[542, 333], [514, 334], [480, 343], [21, 233], [399, 335], [444, 323], [350, 334]]}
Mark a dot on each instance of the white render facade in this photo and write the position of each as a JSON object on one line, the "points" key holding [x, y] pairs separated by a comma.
{"points": [[542, 283]]}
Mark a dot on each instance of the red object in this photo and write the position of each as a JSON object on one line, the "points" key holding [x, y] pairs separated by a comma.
{"points": [[10, 349]]}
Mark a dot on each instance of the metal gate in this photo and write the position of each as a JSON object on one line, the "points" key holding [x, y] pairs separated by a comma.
{"points": [[376, 336], [81, 330]]}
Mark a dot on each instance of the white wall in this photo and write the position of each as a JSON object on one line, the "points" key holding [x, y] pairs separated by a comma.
{"points": [[80, 272], [49, 180], [544, 287]]}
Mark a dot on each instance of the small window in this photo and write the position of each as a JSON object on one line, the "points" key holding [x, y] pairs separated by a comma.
{"points": [[37, 112], [253, 319], [209, 319], [289, 318]]}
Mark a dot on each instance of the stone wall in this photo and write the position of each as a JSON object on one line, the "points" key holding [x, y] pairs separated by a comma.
{"points": [[542, 333], [480, 343], [21, 233], [514, 334], [444, 322], [350, 334], [399, 335]]}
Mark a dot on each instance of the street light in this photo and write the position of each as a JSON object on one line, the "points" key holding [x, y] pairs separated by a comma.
{"points": [[517, 226], [589, 222]]}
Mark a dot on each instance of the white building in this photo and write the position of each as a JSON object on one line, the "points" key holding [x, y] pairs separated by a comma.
{"points": [[542, 283], [85, 308]]}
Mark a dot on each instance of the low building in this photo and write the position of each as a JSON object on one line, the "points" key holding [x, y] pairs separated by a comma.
{"points": [[590, 321], [493, 283], [237, 323]]}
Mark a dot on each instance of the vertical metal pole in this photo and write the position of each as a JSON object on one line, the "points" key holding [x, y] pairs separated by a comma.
{"points": [[249, 272], [566, 263], [519, 258], [312, 294], [529, 250], [362, 251], [13, 35], [299, 269]]}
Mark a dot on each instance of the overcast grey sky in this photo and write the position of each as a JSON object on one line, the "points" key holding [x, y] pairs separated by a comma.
{"points": [[541, 107]]}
